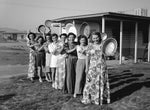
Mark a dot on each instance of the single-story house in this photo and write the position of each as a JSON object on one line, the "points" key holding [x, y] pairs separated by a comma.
{"points": [[132, 32], [12, 34]]}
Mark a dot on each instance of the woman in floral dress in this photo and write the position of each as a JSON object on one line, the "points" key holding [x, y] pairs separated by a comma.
{"points": [[60, 70], [31, 43], [96, 89]]}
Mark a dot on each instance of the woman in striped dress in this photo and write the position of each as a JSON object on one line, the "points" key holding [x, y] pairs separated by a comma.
{"points": [[81, 65], [71, 60]]}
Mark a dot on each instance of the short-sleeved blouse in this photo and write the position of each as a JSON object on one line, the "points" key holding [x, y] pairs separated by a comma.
{"points": [[81, 55]]}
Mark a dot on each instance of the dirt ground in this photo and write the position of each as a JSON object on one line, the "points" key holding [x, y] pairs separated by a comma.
{"points": [[13, 58], [129, 84], [13, 53]]}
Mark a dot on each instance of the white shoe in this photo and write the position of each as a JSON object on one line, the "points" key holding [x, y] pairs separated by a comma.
{"points": [[40, 80], [74, 95], [47, 79]]}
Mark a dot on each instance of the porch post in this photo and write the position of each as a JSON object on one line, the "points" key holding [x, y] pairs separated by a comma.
{"points": [[136, 40], [149, 43], [60, 29], [121, 32], [103, 24]]}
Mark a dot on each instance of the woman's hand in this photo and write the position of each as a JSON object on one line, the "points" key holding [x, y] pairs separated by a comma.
{"points": [[86, 70]]}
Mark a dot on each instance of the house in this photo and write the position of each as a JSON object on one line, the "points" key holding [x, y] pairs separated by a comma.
{"points": [[132, 32], [12, 34]]}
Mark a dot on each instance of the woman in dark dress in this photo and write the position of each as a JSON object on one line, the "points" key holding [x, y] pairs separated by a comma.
{"points": [[71, 60], [40, 56]]}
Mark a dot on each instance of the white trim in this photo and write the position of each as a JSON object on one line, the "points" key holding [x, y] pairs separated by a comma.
{"points": [[121, 34], [136, 42], [103, 25], [149, 43]]}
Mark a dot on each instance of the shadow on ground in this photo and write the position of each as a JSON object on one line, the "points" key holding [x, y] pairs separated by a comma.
{"points": [[126, 83], [129, 91]]}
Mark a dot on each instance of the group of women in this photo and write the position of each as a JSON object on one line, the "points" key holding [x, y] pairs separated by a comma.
{"points": [[78, 68]]}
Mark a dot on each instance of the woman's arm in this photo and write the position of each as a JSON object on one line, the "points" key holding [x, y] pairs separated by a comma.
{"points": [[41, 48], [87, 64], [72, 50]]}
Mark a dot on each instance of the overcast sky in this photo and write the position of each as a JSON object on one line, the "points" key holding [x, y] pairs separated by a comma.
{"points": [[28, 14]]}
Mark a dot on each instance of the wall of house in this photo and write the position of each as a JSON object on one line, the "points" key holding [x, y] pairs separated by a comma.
{"points": [[21, 36], [93, 26], [113, 30]]}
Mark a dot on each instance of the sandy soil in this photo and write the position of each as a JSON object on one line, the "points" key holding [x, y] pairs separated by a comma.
{"points": [[130, 90], [129, 84]]}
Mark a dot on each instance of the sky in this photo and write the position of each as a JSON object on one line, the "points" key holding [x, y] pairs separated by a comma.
{"points": [[29, 14]]}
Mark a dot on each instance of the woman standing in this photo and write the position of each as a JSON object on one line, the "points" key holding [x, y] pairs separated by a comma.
{"points": [[48, 76], [81, 65], [70, 64], [60, 71], [31, 43], [53, 47], [40, 56], [97, 86]]}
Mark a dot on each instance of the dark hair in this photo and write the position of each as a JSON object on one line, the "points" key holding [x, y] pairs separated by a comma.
{"points": [[34, 35], [71, 34], [63, 34], [82, 36], [48, 34], [39, 38], [98, 34], [54, 34], [40, 27]]}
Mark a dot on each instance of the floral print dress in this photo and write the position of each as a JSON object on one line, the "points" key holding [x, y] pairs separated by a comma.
{"points": [[60, 70], [32, 67], [97, 86]]}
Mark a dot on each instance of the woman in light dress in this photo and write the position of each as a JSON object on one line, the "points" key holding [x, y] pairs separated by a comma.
{"points": [[60, 71], [53, 49], [48, 76], [96, 88]]}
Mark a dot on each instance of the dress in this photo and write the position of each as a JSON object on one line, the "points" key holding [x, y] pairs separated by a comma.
{"points": [[80, 70], [97, 86], [70, 69], [40, 56], [60, 70], [48, 57], [54, 54], [32, 68]]}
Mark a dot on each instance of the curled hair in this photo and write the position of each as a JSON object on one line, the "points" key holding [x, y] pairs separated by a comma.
{"points": [[98, 34], [71, 34], [31, 33], [39, 38], [54, 34], [48, 34], [40, 27], [82, 36], [63, 34]]}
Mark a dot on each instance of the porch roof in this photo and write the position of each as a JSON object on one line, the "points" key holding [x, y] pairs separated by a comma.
{"points": [[109, 15]]}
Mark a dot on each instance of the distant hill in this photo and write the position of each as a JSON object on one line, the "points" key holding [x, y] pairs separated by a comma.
{"points": [[10, 30]]}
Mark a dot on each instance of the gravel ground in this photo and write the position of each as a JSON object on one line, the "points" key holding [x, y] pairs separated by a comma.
{"points": [[130, 90]]}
